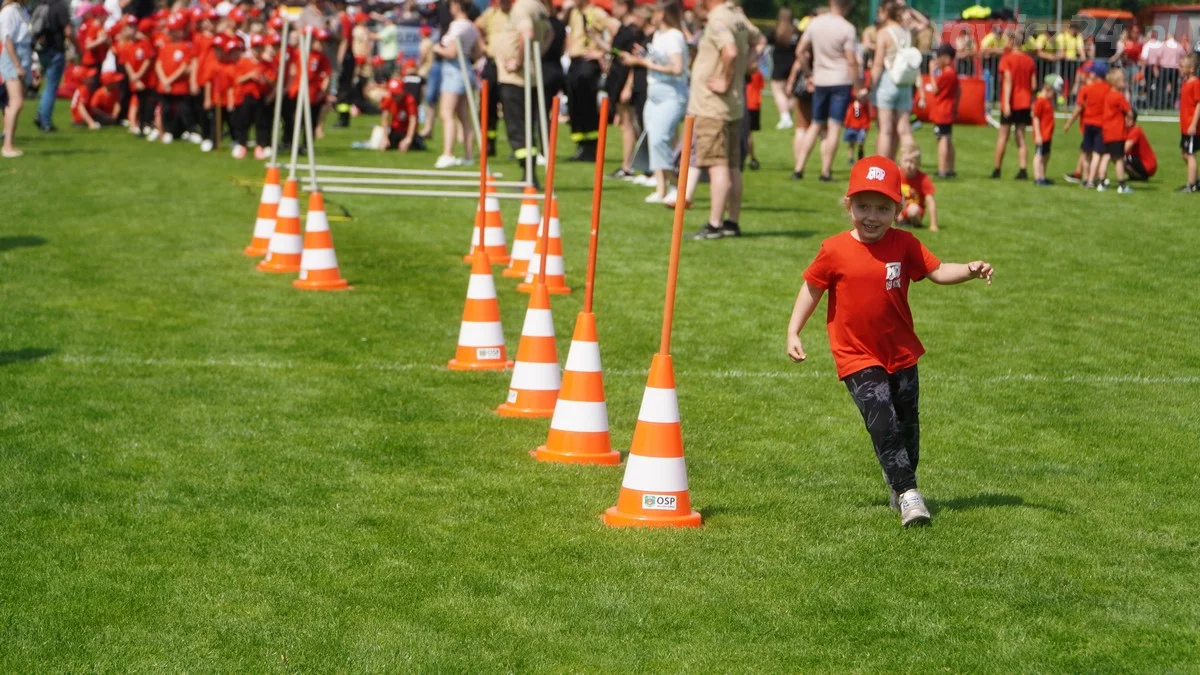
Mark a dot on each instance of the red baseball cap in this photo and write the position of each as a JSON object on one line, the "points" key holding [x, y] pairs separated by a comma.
{"points": [[257, 41], [237, 15], [275, 23], [395, 86], [410, 64], [426, 31], [361, 18], [875, 174], [273, 39], [146, 26], [322, 35], [176, 23]]}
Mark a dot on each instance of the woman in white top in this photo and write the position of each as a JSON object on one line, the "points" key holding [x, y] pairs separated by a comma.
{"points": [[666, 64], [16, 56], [455, 81], [893, 102]]}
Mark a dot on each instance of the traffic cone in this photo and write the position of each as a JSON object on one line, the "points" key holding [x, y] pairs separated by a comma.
{"points": [[493, 231], [283, 254], [535, 378], [268, 207], [555, 281], [318, 262], [579, 428], [525, 240], [654, 492], [481, 337]]}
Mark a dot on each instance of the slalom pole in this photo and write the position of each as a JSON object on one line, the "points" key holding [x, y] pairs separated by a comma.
{"points": [[541, 95], [282, 74], [483, 163], [305, 43], [385, 192], [597, 189], [466, 73], [664, 345], [546, 201], [461, 182], [308, 121], [528, 118]]}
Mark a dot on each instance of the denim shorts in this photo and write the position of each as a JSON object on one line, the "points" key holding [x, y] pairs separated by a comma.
{"points": [[855, 136], [454, 80], [8, 69], [889, 96], [830, 103]]}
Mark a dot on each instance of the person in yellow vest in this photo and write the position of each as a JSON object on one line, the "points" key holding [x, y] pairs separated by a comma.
{"points": [[493, 23], [527, 19], [588, 28], [1070, 45]]}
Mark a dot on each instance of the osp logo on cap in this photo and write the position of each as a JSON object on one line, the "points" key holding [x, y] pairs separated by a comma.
{"points": [[876, 173], [659, 502]]}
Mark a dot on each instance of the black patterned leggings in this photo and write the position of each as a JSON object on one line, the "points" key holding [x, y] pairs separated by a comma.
{"points": [[888, 404]]}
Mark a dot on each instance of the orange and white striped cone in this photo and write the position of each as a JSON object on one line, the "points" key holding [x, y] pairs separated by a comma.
{"points": [[493, 231], [579, 428], [556, 282], [525, 240], [535, 378], [268, 207], [283, 254], [481, 337], [654, 492], [318, 262]]}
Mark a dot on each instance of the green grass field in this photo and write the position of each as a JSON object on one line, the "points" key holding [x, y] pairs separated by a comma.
{"points": [[203, 469]]}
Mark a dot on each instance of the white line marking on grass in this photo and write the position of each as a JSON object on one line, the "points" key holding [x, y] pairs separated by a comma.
{"points": [[786, 372]]}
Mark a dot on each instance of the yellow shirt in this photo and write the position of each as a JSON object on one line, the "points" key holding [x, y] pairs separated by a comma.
{"points": [[993, 41], [584, 30], [1069, 46], [725, 27], [526, 15], [492, 24]]}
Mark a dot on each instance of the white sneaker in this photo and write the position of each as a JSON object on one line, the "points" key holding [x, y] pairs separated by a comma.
{"points": [[541, 160], [152, 135], [239, 151], [654, 198], [646, 181], [445, 162], [134, 129], [167, 139], [261, 153], [206, 146], [785, 122], [912, 509], [1124, 190], [1101, 188]]}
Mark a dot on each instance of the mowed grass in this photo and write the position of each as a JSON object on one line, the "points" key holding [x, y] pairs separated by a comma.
{"points": [[204, 469]]}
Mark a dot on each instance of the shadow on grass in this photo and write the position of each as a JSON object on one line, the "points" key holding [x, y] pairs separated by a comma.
{"points": [[788, 234], [24, 355], [21, 241], [986, 500], [776, 209], [69, 151]]}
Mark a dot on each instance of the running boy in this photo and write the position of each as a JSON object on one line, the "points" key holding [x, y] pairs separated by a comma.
{"points": [[1118, 117], [946, 93], [1189, 118], [874, 346], [1043, 128]]}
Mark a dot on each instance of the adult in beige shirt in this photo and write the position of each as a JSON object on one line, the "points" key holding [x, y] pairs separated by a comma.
{"points": [[717, 101], [833, 69], [492, 23], [586, 45], [527, 20]]}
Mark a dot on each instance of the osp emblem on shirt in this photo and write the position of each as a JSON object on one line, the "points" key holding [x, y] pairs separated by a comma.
{"points": [[876, 173], [893, 276]]}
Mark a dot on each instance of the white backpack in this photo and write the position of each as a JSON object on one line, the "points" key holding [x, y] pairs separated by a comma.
{"points": [[906, 64]]}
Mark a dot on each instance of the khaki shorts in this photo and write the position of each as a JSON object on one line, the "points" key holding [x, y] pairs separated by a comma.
{"points": [[716, 142]]}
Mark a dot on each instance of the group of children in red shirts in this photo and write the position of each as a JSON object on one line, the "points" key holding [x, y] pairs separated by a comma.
{"points": [[180, 73]]}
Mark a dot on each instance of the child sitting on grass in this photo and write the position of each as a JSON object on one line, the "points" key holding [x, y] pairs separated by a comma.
{"points": [[867, 270], [917, 190]]}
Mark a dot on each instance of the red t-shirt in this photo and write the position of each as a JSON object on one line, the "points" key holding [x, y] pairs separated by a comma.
{"points": [[858, 116], [318, 75], [220, 83], [79, 100], [1189, 96], [104, 102], [401, 109], [1022, 67], [248, 66], [915, 188], [139, 53], [754, 91], [93, 58], [1092, 97], [120, 49], [1043, 115], [1142, 150], [945, 98], [1115, 107], [868, 318], [173, 57]]}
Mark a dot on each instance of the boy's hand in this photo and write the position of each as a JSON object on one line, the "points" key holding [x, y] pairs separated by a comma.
{"points": [[795, 349], [980, 270]]}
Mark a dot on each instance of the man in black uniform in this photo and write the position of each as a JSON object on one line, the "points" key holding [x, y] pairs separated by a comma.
{"points": [[586, 47]]}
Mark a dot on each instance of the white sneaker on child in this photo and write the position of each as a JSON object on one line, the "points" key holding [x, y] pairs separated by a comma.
{"points": [[206, 146], [912, 509], [654, 198], [239, 151], [167, 139], [445, 162]]}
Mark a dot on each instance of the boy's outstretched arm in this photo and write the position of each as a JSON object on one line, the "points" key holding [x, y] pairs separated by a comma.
{"points": [[956, 273], [806, 302]]}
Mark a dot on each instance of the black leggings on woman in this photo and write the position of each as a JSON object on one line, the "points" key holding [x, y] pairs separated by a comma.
{"points": [[888, 404]]}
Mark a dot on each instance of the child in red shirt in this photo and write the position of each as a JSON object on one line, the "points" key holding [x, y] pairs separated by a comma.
{"points": [[857, 122], [946, 94], [139, 69], [399, 117], [1090, 110], [1140, 161], [754, 88], [917, 190], [1189, 120], [82, 96], [867, 271], [267, 62], [1018, 75], [102, 107], [1118, 117], [1043, 129], [173, 68]]}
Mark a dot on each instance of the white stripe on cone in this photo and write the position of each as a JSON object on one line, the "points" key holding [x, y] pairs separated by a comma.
{"points": [[264, 228], [286, 243], [481, 287], [318, 259], [584, 357], [529, 215], [659, 405], [492, 236], [538, 323], [535, 376], [288, 207], [554, 267], [272, 193], [582, 416], [481, 334], [655, 474], [316, 221]]}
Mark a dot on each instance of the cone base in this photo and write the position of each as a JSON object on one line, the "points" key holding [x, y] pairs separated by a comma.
{"points": [[553, 290], [513, 273], [614, 518], [611, 458], [255, 251], [506, 410], [334, 285], [495, 260], [277, 268], [455, 364]]}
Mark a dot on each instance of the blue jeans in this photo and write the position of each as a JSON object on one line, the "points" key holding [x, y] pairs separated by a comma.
{"points": [[664, 109], [433, 88], [53, 62]]}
